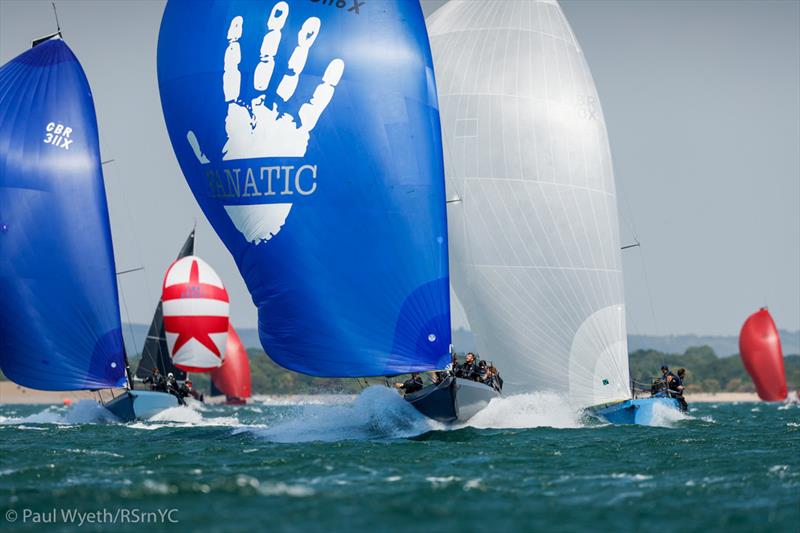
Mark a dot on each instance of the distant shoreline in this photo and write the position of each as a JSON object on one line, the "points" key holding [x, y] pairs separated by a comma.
{"points": [[10, 393], [722, 397]]}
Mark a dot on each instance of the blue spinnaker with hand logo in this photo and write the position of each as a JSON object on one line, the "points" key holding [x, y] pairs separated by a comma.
{"points": [[309, 134], [59, 320]]}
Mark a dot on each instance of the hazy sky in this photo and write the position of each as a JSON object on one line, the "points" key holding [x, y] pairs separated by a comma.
{"points": [[702, 103]]}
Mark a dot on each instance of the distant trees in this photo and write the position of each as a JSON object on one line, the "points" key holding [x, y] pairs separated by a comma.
{"points": [[705, 372]]}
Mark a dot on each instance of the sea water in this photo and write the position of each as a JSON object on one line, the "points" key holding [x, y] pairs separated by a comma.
{"points": [[526, 463]]}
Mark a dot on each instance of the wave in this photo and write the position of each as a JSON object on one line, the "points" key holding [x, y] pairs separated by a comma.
{"points": [[529, 410], [380, 413], [82, 412], [666, 416], [190, 415], [376, 413], [91, 412]]}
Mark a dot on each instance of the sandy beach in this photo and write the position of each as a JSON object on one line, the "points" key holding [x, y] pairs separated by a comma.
{"points": [[722, 397], [11, 393]]}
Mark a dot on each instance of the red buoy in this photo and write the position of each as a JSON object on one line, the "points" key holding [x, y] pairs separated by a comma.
{"points": [[760, 349]]}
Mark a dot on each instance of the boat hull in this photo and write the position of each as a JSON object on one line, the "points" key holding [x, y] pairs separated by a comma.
{"points": [[140, 405], [233, 400], [640, 411], [452, 400]]}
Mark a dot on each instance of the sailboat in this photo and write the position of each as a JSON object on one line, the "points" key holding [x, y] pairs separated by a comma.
{"points": [[532, 208], [310, 138], [155, 354], [190, 309], [61, 327], [762, 356], [232, 379]]}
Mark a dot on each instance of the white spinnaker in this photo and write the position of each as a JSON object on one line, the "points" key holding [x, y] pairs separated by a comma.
{"points": [[534, 240]]}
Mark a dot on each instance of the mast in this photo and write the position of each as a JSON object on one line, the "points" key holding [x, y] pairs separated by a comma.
{"points": [[155, 353], [40, 40]]}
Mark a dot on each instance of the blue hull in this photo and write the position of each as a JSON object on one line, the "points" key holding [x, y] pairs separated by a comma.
{"points": [[641, 411]]}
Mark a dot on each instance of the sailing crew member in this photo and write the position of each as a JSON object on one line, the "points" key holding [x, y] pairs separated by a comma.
{"points": [[454, 366], [411, 385], [667, 378], [681, 388], [156, 381], [469, 370], [172, 388], [191, 391], [482, 370], [673, 381], [493, 378]]}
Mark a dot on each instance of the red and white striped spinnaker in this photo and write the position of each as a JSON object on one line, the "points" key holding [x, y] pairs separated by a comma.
{"points": [[196, 315]]}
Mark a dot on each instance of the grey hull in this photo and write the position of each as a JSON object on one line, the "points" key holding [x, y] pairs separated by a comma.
{"points": [[452, 400], [140, 405]]}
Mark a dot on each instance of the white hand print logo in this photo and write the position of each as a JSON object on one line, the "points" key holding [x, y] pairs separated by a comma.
{"points": [[260, 129]]}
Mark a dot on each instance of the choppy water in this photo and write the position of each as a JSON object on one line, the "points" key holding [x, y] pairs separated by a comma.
{"points": [[526, 463]]}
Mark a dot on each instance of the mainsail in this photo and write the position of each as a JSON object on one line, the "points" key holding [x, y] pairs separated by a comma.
{"points": [[155, 353], [761, 353], [60, 328], [532, 210], [232, 378], [309, 135]]}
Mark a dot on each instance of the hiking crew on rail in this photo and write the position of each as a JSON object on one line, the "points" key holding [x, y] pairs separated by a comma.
{"points": [[471, 369]]}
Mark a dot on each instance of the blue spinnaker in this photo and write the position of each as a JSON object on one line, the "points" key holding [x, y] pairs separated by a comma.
{"points": [[60, 326], [309, 134]]}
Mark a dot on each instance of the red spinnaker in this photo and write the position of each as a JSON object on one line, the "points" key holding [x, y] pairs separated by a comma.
{"points": [[233, 377], [760, 348]]}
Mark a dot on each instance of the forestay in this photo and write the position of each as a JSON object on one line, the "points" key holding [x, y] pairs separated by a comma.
{"points": [[60, 327], [309, 135], [534, 242]]}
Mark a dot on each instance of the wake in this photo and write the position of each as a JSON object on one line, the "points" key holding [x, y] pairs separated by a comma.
{"points": [[376, 413], [381, 413], [528, 410], [82, 412], [666, 417], [91, 412]]}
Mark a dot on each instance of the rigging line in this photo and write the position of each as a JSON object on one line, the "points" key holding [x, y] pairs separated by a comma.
{"points": [[147, 284], [649, 293], [630, 222], [128, 316], [137, 269], [55, 12], [642, 261], [107, 161]]}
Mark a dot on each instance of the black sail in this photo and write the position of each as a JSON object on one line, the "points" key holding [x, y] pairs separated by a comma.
{"points": [[155, 353], [214, 390]]}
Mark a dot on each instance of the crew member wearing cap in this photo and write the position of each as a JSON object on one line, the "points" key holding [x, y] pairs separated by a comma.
{"points": [[172, 388]]}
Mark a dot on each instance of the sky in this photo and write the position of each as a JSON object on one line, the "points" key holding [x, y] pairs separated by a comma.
{"points": [[702, 104]]}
